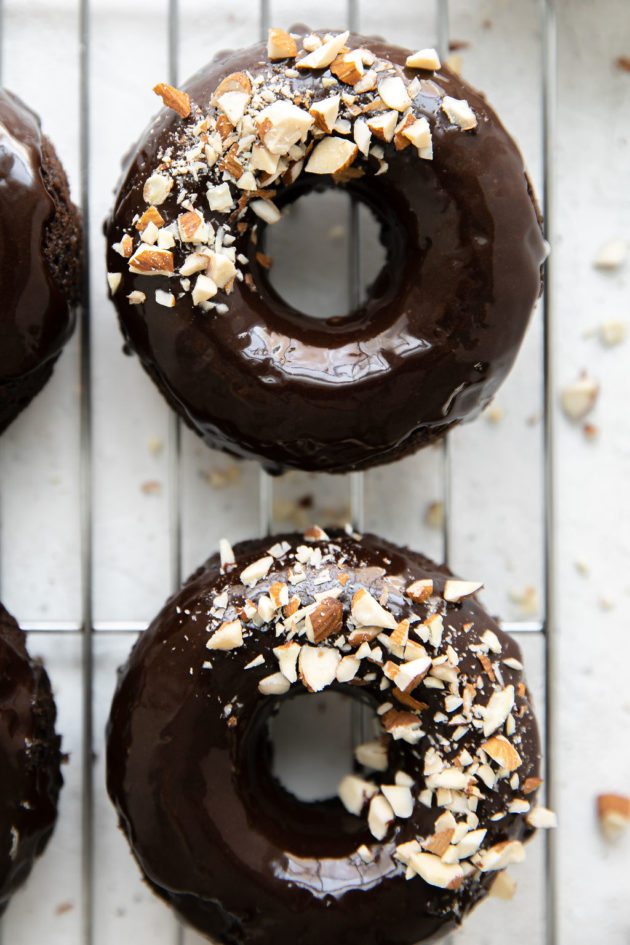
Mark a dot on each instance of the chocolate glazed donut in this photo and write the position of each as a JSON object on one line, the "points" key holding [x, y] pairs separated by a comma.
{"points": [[29, 759], [445, 316], [438, 804], [40, 257]]}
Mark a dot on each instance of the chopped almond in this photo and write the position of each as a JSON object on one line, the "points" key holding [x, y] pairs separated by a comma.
{"points": [[173, 98]]}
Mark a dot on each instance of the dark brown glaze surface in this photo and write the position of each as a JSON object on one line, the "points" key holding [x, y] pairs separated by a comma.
{"points": [[40, 256], [189, 765], [438, 335], [29, 759]]}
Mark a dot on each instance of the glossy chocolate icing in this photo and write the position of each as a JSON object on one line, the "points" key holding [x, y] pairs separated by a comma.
{"points": [[429, 348], [30, 776], [189, 766]]}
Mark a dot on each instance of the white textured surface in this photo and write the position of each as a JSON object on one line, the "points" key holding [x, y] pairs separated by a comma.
{"points": [[496, 527]]}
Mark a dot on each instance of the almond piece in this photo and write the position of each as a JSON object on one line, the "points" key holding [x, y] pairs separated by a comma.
{"points": [[204, 289], [229, 636], [192, 228], [393, 92], [613, 811], [156, 189], [436, 873], [454, 779], [194, 262], [150, 215], [113, 280], [380, 816], [354, 793], [318, 666], [235, 82], [612, 255], [500, 855], [233, 105], [148, 261], [498, 708], [226, 553], [367, 612], [274, 685], [257, 570], [531, 784], [173, 98], [418, 133], [136, 298], [348, 67], [322, 57], [503, 887], [263, 160], [280, 45], [362, 135], [469, 844], [400, 799], [423, 59], [544, 819], [372, 755], [347, 668], [454, 591], [502, 752], [367, 82], [579, 398], [439, 842], [281, 125], [383, 126], [221, 269], [325, 113], [409, 675], [402, 725], [266, 210], [420, 590], [287, 655], [459, 112], [331, 155], [326, 619], [315, 533]]}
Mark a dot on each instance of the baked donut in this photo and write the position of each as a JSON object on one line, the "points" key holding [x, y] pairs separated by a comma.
{"points": [[439, 803], [40, 257], [29, 759], [444, 319]]}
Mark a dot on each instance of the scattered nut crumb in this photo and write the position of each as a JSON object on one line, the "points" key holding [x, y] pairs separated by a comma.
{"points": [[434, 515], [623, 62], [582, 567], [613, 812], [221, 478], [156, 445], [526, 600], [612, 332], [606, 603], [151, 487], [494, 413], [579, 398], [455, 63], [612, 255], [64, 907], [534, 419], [590, 431]]}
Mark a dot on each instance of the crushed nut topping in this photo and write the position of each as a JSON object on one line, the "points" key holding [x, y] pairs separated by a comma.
{"points": [[261, 130]]}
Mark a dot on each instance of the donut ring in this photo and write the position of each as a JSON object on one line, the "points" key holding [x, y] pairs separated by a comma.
{"points": [[29, 759], [189, 760], [445, 316]]}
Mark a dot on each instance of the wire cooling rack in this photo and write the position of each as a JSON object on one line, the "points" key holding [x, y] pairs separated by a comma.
{"points": [[106, 503]]}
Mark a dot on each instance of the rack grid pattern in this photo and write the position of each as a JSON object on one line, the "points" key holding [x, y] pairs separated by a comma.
{"points": [[112, 565]]}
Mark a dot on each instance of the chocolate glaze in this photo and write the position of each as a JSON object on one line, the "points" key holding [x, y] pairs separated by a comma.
{"points": [[216, 835], [429, 348], [29, 759], [35, 317]]}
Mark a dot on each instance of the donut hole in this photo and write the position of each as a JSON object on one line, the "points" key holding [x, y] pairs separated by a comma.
{"points": [[313, 739], [293, 757], [325, 252]]}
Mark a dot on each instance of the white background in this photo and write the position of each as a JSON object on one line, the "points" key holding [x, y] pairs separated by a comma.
{"points": [[496, 508]]}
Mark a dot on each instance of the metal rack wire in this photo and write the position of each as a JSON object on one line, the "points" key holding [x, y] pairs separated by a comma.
{"points": [[92, 624]]}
